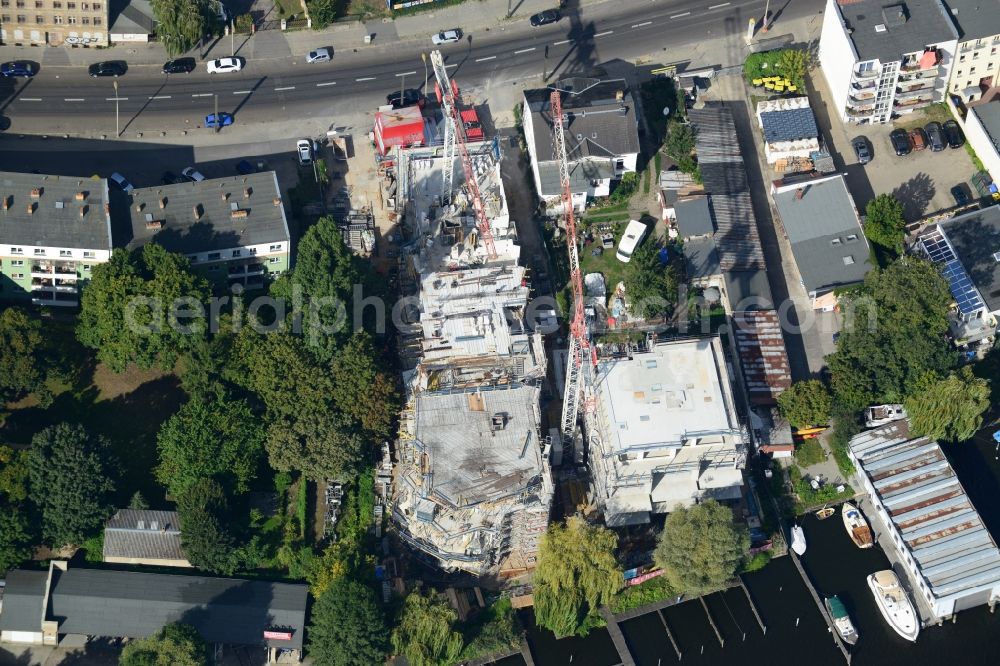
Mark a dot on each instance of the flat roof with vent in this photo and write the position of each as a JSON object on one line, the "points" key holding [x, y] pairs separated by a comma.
{"points": [[214, 214], [975, 239], [54, 211], [886, 31]]}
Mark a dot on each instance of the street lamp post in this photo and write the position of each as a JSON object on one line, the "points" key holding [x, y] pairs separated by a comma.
{"points": [[118, 131], [767, 7], [423, 56], [402, 86], [232, 37], [217, 123]]}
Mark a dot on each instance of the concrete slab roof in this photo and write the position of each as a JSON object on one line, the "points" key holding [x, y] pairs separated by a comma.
{"points": [[886, 30], [975, 19], [54, 211]]}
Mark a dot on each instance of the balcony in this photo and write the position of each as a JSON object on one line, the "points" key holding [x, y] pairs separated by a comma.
{"points": [[864, 84], [62, 286], [862, 112], [907, 87], [913, 103], [919, 75], [860, 97], [864, 74]]}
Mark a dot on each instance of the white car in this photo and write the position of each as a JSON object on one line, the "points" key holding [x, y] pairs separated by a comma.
{"points": [[447, 36], [122, 182], [193, 175], [319, 55], [304, 149], [224, 65]]}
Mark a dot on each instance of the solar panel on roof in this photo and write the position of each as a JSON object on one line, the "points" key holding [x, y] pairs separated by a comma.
{"points": [[959, 283]]}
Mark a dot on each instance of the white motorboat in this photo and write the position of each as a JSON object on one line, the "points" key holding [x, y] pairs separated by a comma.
{"points": [[798, 540], [879, 415], [841, 620], [896, 607], [857, 527]]}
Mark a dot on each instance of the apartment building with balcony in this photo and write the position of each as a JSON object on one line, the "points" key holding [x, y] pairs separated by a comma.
{"points": [[977, 66], [54, 22], [53, 230], [886, 59], [233, 230]]}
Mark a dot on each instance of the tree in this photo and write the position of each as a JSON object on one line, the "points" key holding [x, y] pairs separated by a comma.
{"points": [[792, 63], [125, 311], [425, 633], [700, 547], [70, 475], [322, 13], [806, 403], [204, 513], [361, 390], [680, 146], [138, 501], [576, 574], [180, 23], [884, 223], [318, 444], [13, 474], [950, 409], [347, 627], [23, 357], [174, 645], [16, 536], [651, 287], [211, 436], [894, 336]]}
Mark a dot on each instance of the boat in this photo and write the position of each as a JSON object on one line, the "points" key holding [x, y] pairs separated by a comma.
{"points": [[856, 526], [798, 540], [878, 415], [841, 620], [825, 513], [896, 607]]}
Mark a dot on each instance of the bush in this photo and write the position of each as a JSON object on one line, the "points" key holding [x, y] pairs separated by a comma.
{"points": [[757, 562], [625, 189], [788, 63]]}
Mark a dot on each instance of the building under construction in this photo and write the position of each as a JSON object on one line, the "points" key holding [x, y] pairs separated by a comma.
{"points": [[472, 483]]}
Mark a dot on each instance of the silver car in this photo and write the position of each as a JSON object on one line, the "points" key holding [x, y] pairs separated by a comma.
{"points": [[319, 55], [447, 36]]}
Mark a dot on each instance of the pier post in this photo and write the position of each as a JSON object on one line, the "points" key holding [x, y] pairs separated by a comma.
{"points": [[763, 627], [822, 609], [670, 634], [722, 642], [617, 637]]}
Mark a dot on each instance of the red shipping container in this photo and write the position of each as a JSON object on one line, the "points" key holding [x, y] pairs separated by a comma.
{"points": [[399, 127]]}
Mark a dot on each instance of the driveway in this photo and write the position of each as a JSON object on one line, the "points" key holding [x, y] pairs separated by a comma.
{"points": [[921, 180]]}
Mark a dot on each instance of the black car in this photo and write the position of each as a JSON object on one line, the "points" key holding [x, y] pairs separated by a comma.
{"points": [[961, 198], [544, 18], [935, 136], [179, 66], [862, 150], [900, 142], [409, 97], [108, 68], [953, 134]]}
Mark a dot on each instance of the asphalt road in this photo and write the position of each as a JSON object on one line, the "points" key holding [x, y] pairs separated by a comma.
{"points": [[577, 43]]}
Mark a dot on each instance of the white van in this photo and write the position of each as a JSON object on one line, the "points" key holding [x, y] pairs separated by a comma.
{"points": [[634, 233]]}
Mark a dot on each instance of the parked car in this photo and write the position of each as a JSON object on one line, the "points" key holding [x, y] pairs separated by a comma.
{"points": [[108, 68], [545, 17], [935, 136], [447, 36], [409, 97], [324, 54], [179, 66], [16, 68], [953, 134], [900, 142], [169, 178], [224, 65], [961, 198], [304, 150], [918, 137], [121, 182], [223, 119], [862, 150], [192, 174]]}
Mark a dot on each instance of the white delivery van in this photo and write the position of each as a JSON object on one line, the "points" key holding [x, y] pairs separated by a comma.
{"points": [[634, 233]]}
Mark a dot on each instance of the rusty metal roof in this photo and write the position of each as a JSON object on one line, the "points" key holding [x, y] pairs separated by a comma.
{"points": [[762, 355]]}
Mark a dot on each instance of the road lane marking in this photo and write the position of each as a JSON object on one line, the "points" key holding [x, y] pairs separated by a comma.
{"points": [[30, 99], [406, 73], [201, 95], [524, 51], [284, 88], [450, 66], [116, 99], [602, 34], [486, 58], [330, 83], [681, 15], [74, 99], [242, 92], [159, 97], [724, 4], [641, 25], [366, 78], [565, 41]]}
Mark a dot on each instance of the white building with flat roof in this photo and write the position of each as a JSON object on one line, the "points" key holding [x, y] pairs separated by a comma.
{"points": [[664, 431]]}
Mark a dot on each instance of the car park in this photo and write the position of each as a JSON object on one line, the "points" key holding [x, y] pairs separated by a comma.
{"points": [[324, 54], [862, 150], [953, 134], [918, 138], [408, 97], [544, 17], [114, 68], [304, 151], [121, 182], [179, 66], [961, 198], [935, 136], [18, 68], [447, 37], [193, 175], [224, 65], [900, 142], [222, 119]]}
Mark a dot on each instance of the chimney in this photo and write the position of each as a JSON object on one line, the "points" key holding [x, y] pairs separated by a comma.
{"points": [[36, 192], [225, 196], [154, 225], [139, 206], [619, 95], [83, 211], [31, 207], [163, 203], [276, 201], [247, 191], [80, 196], [798, 193], [240, 214], [7, 201], [197, 211]]}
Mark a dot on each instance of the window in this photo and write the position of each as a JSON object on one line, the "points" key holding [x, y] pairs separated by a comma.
{"points": [[272, 260], [4, 3], [39, 252], [57, 5], [97, 21], [975, 55], [253, 250], [21, 18], [71, 20], [39, 19], [97, 6], [85, 7], [85, 20], [972, 70], [86, 268], [961, 58], [39, 4], [651, 365], [17, 276], [848, 260], [851, 238], [89, 254], [835, 241], [65, 253], [17, 250], [5, 18], [17, 262], [237, 253], [213, 255], [20, 4], [275, 248], [70, 5], [968, 83], [958, 73], [57, 20]]}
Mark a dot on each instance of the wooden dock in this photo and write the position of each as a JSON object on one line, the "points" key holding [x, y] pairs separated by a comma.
{"points": [[822, 608], [617, 637]]}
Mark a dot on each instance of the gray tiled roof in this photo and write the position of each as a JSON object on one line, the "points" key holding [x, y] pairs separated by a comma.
{"points": [[693, 217], [159, 536], [718, 150], [216, 229], [789, 125], [910, 26], [989, 116], [736, 234], [976, 237], [56, 219], [223, 610], [702, 258], [975, 18], [580, 175], [23, 600], [598, 124]]}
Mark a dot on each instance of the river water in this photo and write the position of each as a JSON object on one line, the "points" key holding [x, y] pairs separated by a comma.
{"points": [[796, 632]]}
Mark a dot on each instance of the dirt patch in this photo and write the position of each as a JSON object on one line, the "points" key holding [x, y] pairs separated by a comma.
{"points": [[111, 385]]}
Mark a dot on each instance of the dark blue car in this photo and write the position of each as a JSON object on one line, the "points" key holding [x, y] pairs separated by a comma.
{"points": [[223, 120], [21, 68]]}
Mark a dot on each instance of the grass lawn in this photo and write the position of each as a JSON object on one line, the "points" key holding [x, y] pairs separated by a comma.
{"points": [[938, 112], [653, 590], [612, 269], [809, 453], [288, 7]]}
